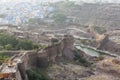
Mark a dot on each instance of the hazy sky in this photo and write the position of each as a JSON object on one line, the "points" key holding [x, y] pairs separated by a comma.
{"points": [[1, 1]]}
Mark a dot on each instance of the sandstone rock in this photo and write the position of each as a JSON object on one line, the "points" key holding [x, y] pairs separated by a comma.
{"points": [[61, 49], [110, 66]]}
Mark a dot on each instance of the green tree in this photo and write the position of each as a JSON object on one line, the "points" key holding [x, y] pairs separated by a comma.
{"points": [[8, 47], [8, 42], [37, 75]]}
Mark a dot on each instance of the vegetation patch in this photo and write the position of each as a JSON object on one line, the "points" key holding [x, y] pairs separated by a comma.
{"points": [[3, 58], [37, 74], [81, 59], [8, 42]]}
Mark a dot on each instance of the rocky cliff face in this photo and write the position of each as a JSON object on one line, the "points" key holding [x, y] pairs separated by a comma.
{"points": [[57, 51], [108, 45], [29, 60], [103, 41]]}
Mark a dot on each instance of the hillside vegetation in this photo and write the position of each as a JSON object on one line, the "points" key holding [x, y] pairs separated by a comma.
{"points": [[8, 42]]}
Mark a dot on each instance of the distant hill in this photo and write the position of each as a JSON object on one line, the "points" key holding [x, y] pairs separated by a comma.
{"points": [[103, 15]]}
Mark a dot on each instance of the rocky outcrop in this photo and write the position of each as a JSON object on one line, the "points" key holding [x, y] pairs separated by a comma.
{"points": [[110, 66], [111, 47], [44, 57], [68, 42], [28, 61], [103, 42], [106, 69], [58, 51]]}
